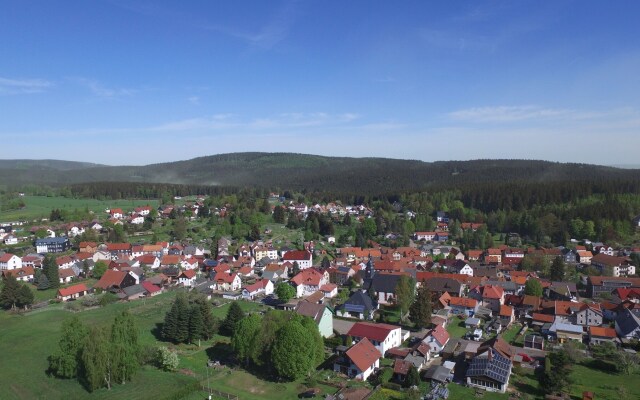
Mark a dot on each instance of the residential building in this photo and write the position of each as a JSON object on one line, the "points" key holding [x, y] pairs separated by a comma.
{"points": [[72, 292], [302, 257], [52, 245], [359, 361], [358, 305], [321, 314], [10, 261], [436, 339], [383, 336]]}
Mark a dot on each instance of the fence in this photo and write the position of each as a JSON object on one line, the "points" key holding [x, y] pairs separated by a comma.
{"points": [[218, 393]]}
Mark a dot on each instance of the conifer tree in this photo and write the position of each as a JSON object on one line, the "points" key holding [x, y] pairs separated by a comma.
{"points": [[51, 271], [234, 315], [196, 327], [421, 308]]}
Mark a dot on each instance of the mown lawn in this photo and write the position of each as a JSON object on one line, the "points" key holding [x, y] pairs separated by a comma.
{"points": [[510, 334], [41, 206], [456, 327], [28, 339]]}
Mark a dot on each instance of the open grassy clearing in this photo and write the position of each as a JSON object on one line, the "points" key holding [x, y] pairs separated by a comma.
{"points": [[41, 206]]}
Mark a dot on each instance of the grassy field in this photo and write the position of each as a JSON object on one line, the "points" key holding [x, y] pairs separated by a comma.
{"points": [[41, 206], [510, 334], [27, 340]]}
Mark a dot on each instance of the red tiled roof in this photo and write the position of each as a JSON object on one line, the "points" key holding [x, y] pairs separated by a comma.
{"points": [[6, 257], [260, 284], [150, 287], [309, 276], [463, 302], [294, 255], [170, 260], [223, 277], [363, 354], [440, 334], [377, 332], [401, 367], [506, 311], [543, 317], [118, 246], [110, 278], [190, 273], [66, 273], [492, 292], [602, 331], [68, 291]]}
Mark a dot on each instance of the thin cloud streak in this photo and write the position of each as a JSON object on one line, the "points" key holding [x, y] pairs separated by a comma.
{"points": [[23, 86], [100, 90], [506, 114]]}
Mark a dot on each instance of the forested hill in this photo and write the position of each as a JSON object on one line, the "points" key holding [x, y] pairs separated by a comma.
{"points": [[313, 173]]}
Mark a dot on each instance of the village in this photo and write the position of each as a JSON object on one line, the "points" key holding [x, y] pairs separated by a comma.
{"points": [[491, 311]]}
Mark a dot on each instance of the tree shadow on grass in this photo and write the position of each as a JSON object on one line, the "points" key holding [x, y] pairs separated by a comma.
{"points": [[157, 332], [600, 365]]}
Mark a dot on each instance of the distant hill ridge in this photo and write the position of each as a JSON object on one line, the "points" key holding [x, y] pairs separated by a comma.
{"points": [[312, 172]]}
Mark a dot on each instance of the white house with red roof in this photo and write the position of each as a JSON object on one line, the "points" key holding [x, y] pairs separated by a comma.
{"points": [[149, 260], [10, 261], [187, 278], [330, 290], [72, 292], [226, 281], [189, 263], [492, 296], [359, 361], [309, 281], [152, 290], [436, 339], [136, 219], [116, 213], [302, 257], [382, 336], [144, 211], [261, 287]]}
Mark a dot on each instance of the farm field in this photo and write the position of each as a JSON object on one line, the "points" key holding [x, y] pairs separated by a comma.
{"points": [[41, 206]]}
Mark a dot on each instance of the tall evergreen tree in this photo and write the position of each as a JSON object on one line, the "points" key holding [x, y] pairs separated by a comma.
{"points": [[51, 271], [43, 282], [196, 326], [182, 321], [557, 269], [10, 293], [234, 314], [405, 293], [421, 308]]}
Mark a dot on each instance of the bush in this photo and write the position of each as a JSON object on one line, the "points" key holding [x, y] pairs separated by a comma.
{"points": [[90, 301], [392, 386], [108, 298], [73, 306], [148, 355], [166, 359]]}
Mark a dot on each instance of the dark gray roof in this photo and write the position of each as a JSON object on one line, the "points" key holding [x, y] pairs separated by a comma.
{"points": [[384, 283], [627, 322], [438, 284], [135, 289], [437, 373], [358, 302], [494, 366]]}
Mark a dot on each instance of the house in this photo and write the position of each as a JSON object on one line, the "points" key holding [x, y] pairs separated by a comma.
{"points": [[457, 267], [600, 335], [66, 275], [10, 239], [383, 336], [187, 278], [52, 245], [136, 219], [64, 262], [564, 331], [589, 315], [149, 260], [275, 272], [400, 370], [226, 281], [440, 285], [321, 314], [506, 316], [358, 305], [330, 290], [492, 297], [119, 250], [463, 306], [72, 292], [490, 368], [584, 257], [151, 289], [596, 285], [628, 324], [302, 257], [309, 280], [619, 266], [262, 287], [88, 247], [436, 339], [116, 213], [24, 274], [426, 236], [359, 361], [10, 261], [115, 280]]}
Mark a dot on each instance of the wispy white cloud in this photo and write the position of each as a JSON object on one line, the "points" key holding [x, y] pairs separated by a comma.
{"points": [[195, 100], [100, 90], [23, 86], [506, 113]]}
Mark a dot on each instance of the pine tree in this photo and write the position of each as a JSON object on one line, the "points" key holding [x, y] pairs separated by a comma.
{"points": [[51, 271], [43, 282], [182, 324], [421, 308], [413, 377], [9, 296], [234, 315], [209, 322], [557, 270], [196, 326], [170, 323], [25, 296]]}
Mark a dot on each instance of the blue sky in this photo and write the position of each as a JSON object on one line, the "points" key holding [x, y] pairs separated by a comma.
{"points": [[137, 82]]}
